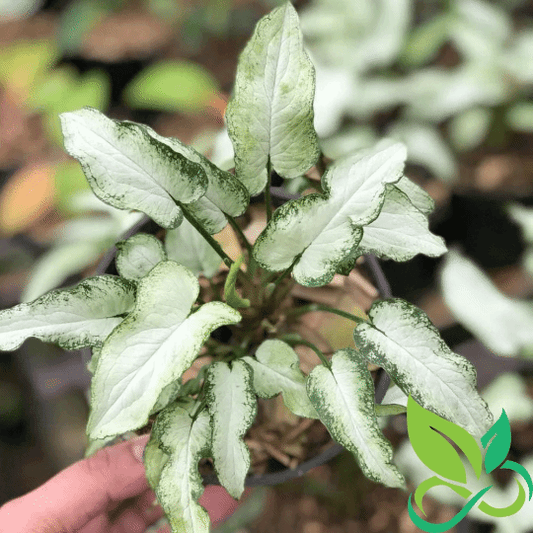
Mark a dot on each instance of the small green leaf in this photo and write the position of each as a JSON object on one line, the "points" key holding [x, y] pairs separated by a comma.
{"points": [[83, 315], [185, 440], [129, 169], [232, 406], [230, 294], [434, 450], [344, 399], [400, 338], [138, 255], [317, 232], [154, 459], [270, 116], [497, 440], [187, 247], [153, 346], [172, 86], [277, 370]]}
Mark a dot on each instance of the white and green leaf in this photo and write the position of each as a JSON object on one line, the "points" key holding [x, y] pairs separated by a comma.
{"points": [[185, 440], [418, 196], [316, 232], [270, 116], [224, 194], [232, 405], [153, 346], [343, 396], [503, 324], [277, 370], [129, 169], [137, 255], [154, 459], [400, 231], [169, 394], [186, 246], [400, 338], [72, 318]]}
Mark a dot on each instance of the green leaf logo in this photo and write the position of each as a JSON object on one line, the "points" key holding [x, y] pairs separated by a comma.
{"points": [[429, 432]]}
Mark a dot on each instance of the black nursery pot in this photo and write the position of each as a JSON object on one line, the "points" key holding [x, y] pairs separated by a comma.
{"points": [[146, 225]]}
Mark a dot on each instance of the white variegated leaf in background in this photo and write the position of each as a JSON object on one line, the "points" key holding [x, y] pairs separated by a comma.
{"points": [[224, 194], [129, 169], [343, 396], [186, 246], [232, 407], [137, 255], [503, 324], [153, 346], [185, 440], [277, 370], [270, 116], [400, 231], [316, 232], [400, 338], [83, 315], [170, 393]]}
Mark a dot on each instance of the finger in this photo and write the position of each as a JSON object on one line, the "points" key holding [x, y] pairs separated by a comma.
{"points": [[218, 503], [138, 516], [80, 492], [99, 524]]}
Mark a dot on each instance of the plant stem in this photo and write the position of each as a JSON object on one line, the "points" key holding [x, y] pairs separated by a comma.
{"points": [[268, 199], [321, 307], [237, 229], [212, 242], [295, 342], [320, 164]]}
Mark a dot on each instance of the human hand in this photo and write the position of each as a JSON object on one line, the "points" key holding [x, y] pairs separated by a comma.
{"points": [[89, 497]]}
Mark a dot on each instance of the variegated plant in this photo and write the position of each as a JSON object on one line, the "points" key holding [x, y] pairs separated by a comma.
{"points": [[148, 325]]}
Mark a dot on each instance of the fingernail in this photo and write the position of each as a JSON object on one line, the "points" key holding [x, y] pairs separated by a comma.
{"points": [[138, 448]]}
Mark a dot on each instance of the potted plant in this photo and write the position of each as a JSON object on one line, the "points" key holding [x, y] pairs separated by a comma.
{"points": [[148, 325]]}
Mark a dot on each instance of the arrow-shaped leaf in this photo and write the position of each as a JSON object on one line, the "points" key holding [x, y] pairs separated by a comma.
{"points": [[401, 339], [344, 399], [138, 255], [498, 440], [318, 231], [153, 346], [185, 440], [277, 370], [83, 315], [129, 169], [232, 406], [270, 116]]}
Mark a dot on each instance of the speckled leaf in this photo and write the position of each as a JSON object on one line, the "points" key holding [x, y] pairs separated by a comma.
{"points": [[129, 169], [151, 348], [271, 112], [277, 370], [232, 406], [83, 315], [186, 246], [400, 338], [185, 441], [138, 255], [400, 231], [318, 231], [154, 459], [170, 393], [503, 324], [344, 399], [224, 194]]}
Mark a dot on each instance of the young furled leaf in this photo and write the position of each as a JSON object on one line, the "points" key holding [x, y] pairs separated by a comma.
{"points": [[185, 440], [138, 255], [277, 370], [224, 194], [270, 117], [400, 231], [187, 247], [153, 346], [400, 338], [129, 169], [343, 396], [232, 406], [317, 232], [73, 318]]}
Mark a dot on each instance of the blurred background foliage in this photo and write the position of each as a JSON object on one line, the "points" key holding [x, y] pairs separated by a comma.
{"points": [[452, 79]]}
